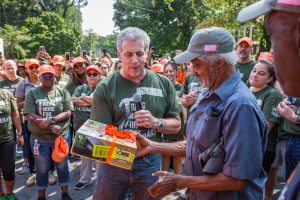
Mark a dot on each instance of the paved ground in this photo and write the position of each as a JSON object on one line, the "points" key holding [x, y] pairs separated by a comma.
{"points": [[24, 193]]}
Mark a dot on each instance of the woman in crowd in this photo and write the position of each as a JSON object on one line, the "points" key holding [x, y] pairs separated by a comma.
{"points": [[262, 79], [9, 116], [31, 81], [48, 110], [21, 70], [61, 77], [78, 76], [82, 100], [170, 71], [116, 66]]}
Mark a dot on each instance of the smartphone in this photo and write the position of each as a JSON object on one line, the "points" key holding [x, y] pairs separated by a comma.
{"points": [[67, 56], [291, 99], [84, 53], [42, 49], [104, 51]]}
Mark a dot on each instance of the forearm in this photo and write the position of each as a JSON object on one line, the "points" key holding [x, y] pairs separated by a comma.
{"points": [[170, 149], [79, 102], [34, 118], [218, 182], [61, 117], [170, 125], [87, 99], [20, 102], [16, 120]]}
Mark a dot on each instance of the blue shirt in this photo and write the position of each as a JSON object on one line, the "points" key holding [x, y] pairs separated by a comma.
{"points": [[244, 127]]}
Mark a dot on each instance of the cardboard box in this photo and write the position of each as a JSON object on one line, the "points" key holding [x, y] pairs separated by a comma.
{"points": [[92, 142]]}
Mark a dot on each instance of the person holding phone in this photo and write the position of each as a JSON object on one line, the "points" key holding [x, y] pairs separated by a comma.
{"points": [[42, 54]]}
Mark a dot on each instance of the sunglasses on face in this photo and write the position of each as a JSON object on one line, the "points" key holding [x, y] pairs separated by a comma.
{"points": [[33, 67], [44, 76], [92, 74], [79, 65]]}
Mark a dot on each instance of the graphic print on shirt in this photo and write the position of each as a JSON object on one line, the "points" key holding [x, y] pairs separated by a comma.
{"points": [[47, 108]]}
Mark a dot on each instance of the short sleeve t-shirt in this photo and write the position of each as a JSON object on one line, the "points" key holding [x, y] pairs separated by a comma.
{"points": [[245, 69], [268, 99], [7, 105], [113, 101], [191, 83], [47, 105], [82, 113], [71, 86], [289, 127], [62, 81], [23, 88], [10, 85]]}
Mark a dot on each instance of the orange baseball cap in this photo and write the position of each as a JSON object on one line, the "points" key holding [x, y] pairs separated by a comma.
{"points": [[30, 62], [247, 40], [265, 55], [157, 68], [163, 61], [61, 149], [95, 67], [46, 69], [77, 60], [58, 60]]}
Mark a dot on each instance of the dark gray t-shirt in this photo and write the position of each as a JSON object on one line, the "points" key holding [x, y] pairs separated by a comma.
{"points": [[244, 127]]}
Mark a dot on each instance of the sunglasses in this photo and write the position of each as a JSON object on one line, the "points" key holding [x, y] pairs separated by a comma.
{"points": [[33, 67], [92, 74], [44, 76], [104, 67], [79, 65]]}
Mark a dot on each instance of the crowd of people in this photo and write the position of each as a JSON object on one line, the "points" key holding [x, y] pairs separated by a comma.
{"points": [[232, 118]]}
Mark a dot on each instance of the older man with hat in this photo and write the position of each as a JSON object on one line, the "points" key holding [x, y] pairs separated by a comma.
{"points": [[245, 64], [226, 131]]}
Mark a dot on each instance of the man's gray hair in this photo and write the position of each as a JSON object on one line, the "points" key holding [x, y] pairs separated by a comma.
{"points": [[134, 34], [230, 58], [10, 62]]}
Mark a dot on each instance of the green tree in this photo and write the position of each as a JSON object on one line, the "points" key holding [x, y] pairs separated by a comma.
{"points": [[170, 24], [53, 32], [13, 37]]}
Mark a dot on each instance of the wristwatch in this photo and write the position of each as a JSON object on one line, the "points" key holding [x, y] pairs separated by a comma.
{"points": [[160, 125], [52, 120]]}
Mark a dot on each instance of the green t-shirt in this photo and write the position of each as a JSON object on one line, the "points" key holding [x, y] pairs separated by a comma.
{"points": [[47, 105], [113, 101], [10, 85], [62, 81], [293, 128], [268, 99], [71, 86], [245, 69], [7, 105], [180, 135], [82, 113], [191, 82]]}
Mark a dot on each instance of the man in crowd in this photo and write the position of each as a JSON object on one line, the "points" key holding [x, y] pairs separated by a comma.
{"points": [[215, 116], [245, 64], [12, 79], [283, 26], [115, 102], [61, 78]]}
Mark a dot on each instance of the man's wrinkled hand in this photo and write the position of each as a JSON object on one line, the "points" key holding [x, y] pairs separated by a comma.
{"points": [[144, 146], [165, 185]]}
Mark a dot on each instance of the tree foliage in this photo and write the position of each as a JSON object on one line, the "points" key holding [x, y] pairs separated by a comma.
{"points": [[170, 24], [53, 32]]}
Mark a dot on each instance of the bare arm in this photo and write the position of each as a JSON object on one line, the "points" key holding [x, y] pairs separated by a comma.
{"points": [[270, 126], [87, 99], [17, 122], [77, 101], [20, 102]]}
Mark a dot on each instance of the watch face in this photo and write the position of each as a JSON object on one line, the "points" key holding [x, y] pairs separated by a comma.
{"points": [[160, 125]]}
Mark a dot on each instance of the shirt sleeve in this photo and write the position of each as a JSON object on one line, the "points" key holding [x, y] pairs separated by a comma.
{"points": [[245, 133], [30, 105], [77, 91], [174, 108], [101, 108], [68, 104], [271, 102], [13, 103]]}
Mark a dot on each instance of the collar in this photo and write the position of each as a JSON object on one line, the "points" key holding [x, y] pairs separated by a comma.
{"points": [[227, 86]]}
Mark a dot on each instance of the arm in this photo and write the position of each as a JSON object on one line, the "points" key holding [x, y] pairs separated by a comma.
{"points": [[146, 146], [287, 111], [270, 126], [20, 102], [87, 99], [218, 182], [77, 101], [17, 122], [145, 119]]}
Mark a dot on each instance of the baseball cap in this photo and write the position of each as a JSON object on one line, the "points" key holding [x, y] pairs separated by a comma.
{"points": [[95, 67], [264, 6], [247, 40], [212, 40], [46, 69], [157, 68], [77, 60], [30, 62], [265, 55], [58, 60]]}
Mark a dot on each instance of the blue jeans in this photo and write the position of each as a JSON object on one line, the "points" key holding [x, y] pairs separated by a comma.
{"points": [[113, 182], [292, 155], [43, 164]]}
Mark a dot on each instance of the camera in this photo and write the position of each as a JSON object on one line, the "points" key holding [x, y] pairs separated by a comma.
{"points": [[67, 56], [84, 53]]}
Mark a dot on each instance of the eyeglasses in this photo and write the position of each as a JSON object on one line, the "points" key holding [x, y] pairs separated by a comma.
{"points": [[92, 74], [78, 65], [32, 67], [44, 76]]}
